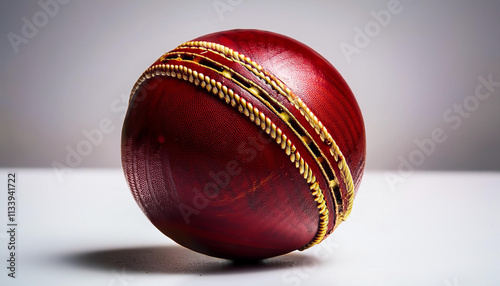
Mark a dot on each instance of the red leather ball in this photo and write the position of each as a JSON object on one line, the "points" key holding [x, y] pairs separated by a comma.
{"points": [[243, 144]]}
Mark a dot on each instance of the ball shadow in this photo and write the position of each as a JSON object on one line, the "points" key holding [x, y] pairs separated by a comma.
{"points": [[176, 259]]}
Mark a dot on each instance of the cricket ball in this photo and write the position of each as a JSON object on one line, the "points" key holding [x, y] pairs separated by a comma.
{"points": [[243, 144]]}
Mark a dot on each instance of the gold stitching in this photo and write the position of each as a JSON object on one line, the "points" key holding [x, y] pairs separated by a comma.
{"points": [[247, 108], [294, 100], [284, 114]]}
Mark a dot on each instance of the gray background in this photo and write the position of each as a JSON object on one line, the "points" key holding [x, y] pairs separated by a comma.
{"points": [[79, 65]]}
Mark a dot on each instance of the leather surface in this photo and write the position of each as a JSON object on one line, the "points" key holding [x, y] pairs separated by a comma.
{"points": [[213, 181], [314, 80]]}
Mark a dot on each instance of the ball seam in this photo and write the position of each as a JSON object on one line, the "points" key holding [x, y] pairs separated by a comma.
{"points": [[304, 110], [257, 117]]}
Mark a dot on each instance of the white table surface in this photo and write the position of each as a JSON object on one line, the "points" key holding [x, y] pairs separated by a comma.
{"points": [[435, 228]]}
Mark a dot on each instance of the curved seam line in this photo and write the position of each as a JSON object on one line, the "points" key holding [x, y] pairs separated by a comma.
{"points": [[267, 125], [335, 182], [294, 100]]}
